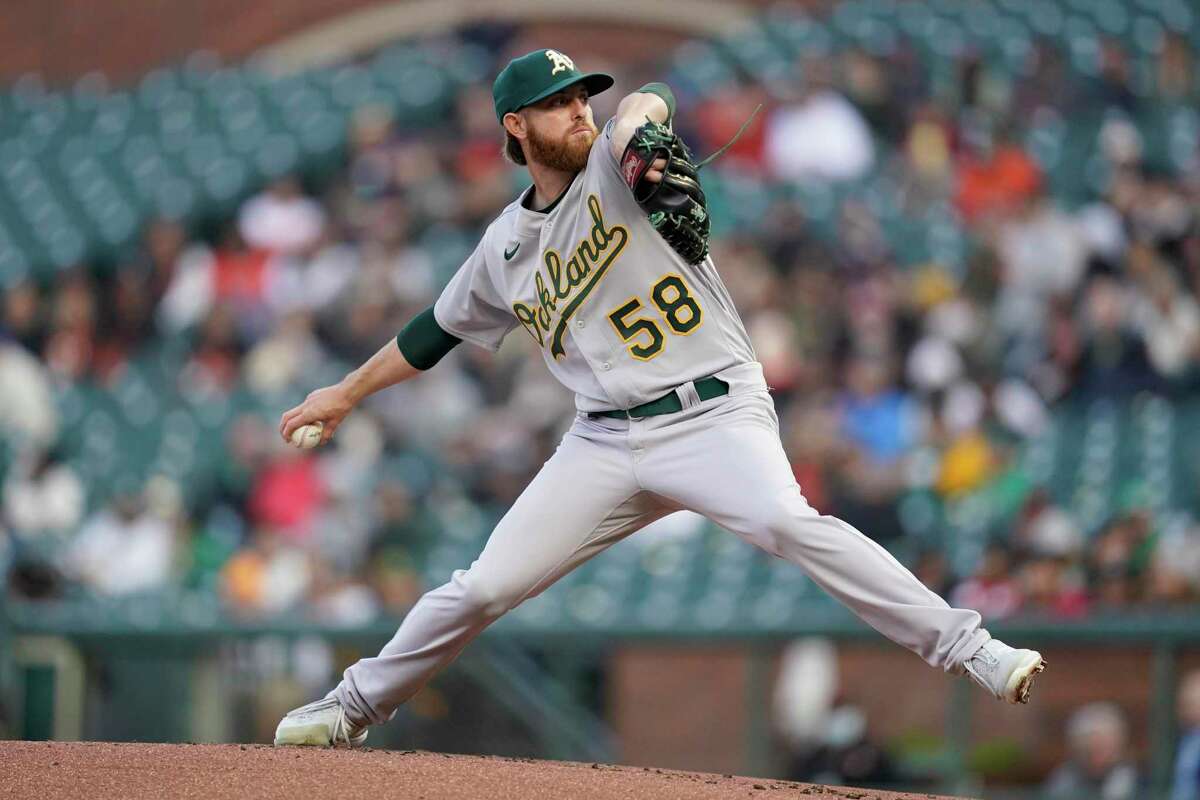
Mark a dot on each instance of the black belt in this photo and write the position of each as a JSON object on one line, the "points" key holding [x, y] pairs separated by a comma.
{"points": [[707, 388]]}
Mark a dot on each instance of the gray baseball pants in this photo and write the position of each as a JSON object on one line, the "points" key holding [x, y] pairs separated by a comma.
{"points": [[721, 458]]}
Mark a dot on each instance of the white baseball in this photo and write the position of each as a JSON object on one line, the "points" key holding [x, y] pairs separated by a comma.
{"points": [[307, 437]]}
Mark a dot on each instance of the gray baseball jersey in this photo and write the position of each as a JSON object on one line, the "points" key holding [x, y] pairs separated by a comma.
{"points": [[620, 318]]}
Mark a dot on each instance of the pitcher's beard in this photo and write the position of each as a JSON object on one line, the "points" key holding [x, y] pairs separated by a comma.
{"points": [[567, 155]]}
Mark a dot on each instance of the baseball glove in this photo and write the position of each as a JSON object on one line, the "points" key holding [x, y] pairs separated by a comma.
{"points": [[676, 206]]}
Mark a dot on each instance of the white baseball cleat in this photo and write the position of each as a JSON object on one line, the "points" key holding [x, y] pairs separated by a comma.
{"points": [[1005, 671], [322, 724]]}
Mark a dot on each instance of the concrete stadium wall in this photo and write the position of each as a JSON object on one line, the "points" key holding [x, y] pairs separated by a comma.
{"points": [[687, 707]]}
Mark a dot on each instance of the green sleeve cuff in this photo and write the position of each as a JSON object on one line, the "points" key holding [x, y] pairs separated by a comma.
{"points": [[423, 342], [663, 91]]}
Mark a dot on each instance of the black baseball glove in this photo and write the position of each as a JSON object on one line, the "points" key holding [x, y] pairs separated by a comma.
{"points": [[676, 206]]}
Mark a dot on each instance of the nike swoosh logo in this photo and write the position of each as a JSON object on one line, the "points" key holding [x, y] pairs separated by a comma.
{"points": [[508, 254]]}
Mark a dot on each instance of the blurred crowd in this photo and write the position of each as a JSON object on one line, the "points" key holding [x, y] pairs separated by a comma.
{"points": [[890, 376]]}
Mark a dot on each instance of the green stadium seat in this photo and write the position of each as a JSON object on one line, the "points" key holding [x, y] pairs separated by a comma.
{"points": [[351, 86], [14, 263], [218, 84], [983, 22], [795, 33], [201, 153], [111, 122], [89, 91], [1111, 16], [1147, 34], [1045, 138], [1046, 19], [277, 154], [45, 121], [177, 122], [914, 19], [701, 68], [156, 87], [1178, 15], [757, 56], [1083, 43], [421, 93], [944, 38], [320, 132], [847, 18], [467, 65]]}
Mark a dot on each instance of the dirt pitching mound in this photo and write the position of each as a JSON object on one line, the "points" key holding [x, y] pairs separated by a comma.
{"points": [[100, 770]]}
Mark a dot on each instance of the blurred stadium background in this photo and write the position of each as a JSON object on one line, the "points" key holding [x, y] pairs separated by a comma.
{"points": [[963, 236]]}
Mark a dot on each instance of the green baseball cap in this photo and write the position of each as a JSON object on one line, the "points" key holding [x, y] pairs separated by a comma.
{"points": [[537, 75]]}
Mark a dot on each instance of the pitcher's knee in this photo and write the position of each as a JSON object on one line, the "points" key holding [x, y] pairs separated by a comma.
{"points": [[489, 597], [774, 526], [778, 524]]}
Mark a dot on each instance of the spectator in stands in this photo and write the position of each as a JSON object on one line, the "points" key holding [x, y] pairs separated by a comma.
{"points": [[1186, 782], [395, 578], [1172, 575], [994, 174], [371, 171], [288, 494], [1099, 765], [400, 522], [928, 148], [1048, 82], [185, 273], [123, 548], [43, 496], [880, 422], [268, 576], [71, 335], [340, 597], [215, 361], [164, 246], [1113, 88], [281, 219], [1113, 361], [992, 590], [718, 117], [126, 321], [1175, 72], [847, 754], [1053, 586], [877, 416], [26, 403], [313, 282], [1114, 577], [813, 445], [241, 278], [969, 458], [23, 319], [820, 136], [1168, 319], [1162, 217], [284, 358], [1042, 252]]}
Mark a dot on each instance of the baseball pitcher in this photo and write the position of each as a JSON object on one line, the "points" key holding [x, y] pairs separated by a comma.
{"points": [[604, 263]]}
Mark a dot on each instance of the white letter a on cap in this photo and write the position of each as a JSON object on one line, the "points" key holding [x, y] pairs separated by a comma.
{"points": [[560, 62]]}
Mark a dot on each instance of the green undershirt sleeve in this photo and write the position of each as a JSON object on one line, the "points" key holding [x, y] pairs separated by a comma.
{"points": [[663, 91], [423, 342]]}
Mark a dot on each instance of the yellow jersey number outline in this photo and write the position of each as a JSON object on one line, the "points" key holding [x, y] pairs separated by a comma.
{"points": [[649, 326]]}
